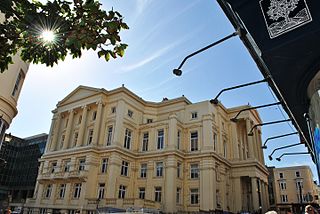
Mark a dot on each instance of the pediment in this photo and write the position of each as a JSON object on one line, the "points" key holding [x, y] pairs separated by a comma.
{"points": [[79, 93]]}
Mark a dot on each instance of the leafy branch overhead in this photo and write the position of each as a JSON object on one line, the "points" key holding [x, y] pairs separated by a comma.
{"points": [[76, 26]]}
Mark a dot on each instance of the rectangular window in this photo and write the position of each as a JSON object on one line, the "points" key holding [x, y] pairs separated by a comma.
{"points": [[109, 135], [62, 141], [142, 192], [284, 198], [77, 190], [194, 171], [124, 168], [157, 194], [122, 191], [194, 196], [194, 141], [82, 163], [178, 195], [225, 149], [127, 139], [145, 141], [299, 185], [67, 165], [194, 115], [90, 136], [297, 174], [149, 120], [159, 169], [75, 138], [80, 119], [130, 113], [17, 84], [48, 191], [280, 175], [104, 165], [160, 142], [62, 190], [178, 139], [101, 191], [113, 110], [143, 170], [283, 185], [215, 141], [178, 169], [94, 115], [53, 167]]}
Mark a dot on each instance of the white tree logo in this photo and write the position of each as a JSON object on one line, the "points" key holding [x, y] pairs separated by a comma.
{"points": [[281, 8]]}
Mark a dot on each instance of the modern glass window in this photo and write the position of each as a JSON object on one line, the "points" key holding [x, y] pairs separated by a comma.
{"points": [[48, 191], [194, 141], [160, 142], [145, 141], [127, 139], [101, 190], [178, 169], [297, 174], [142, 192], [67, 165], [17, 84], [75, 138], [194, 171], [94, 115], [283, 185], [178, 139], [215, 141], [104, 165], [77, 190], [194, 115], [130, 113], [157, 194], [159, 169], [62, 190], [124, 168], [122, 191], [82, 163], [194, 196], [90, 136], [109, 135], [178, 195], [143, 170], [53, 167]]}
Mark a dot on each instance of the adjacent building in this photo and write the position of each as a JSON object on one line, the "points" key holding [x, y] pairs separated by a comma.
{"points": [[291, 189], [114, 149], [18, 176]]}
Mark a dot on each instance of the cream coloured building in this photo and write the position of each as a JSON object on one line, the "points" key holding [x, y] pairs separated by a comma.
{"points": [[291, 188], [114, 149]]}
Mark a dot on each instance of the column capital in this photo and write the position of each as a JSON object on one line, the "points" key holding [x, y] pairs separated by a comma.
{"points": [[100, 102]]}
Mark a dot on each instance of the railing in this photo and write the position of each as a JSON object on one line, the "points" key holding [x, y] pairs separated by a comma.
{"points": [[128, 201], [111, 201], [31, 201]]}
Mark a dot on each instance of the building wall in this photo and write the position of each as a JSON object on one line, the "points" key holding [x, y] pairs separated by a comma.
{"points": [[79, 131]]}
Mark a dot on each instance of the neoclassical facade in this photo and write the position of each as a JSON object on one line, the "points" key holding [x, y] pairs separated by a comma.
{"points": [[114, 149]]}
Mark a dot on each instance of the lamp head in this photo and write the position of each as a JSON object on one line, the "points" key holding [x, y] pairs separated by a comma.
{"points": [[250, 134], [264, 147], [278, 159], [234, 120], [177, 72], [214, 101], [270, 157]]}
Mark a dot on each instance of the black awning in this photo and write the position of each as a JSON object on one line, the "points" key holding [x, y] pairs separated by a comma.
{"points": [[287, 34]]}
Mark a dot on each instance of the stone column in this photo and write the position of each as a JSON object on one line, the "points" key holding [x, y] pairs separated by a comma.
{"points": [[237, 194], [207, 133], [82, 126], [50, 137], [69, 129], [170, 185], [96, 128], [255, 144], [260, 149], [255, 197], [114, 173], [249, 138], [236, 154], [172, 133], [119, 123], [53, 146], [208, 185]]}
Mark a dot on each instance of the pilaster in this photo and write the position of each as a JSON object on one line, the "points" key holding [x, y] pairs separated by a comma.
{"points": [[172, 132], [82, 126], [69, 128], [207, 133], [97, 124], [56, 132], [249, 138], [170, 185]]}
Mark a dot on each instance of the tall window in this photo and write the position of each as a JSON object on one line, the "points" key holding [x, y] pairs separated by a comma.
{"points": [[299, 184], [194, 115], [283, 185], [124, 168], [215, 141], [178, 169], [194, 171], [159, 169], [77, 190], [122, 191], [225, 147], [194, 141], [90, 136], [113, 110], [130, 113], [280, 175], [53, 167], [104, 165], [94, 115], [142, 192], [157, 194], [178, 195], [194, 196], [75, 138], [67, 164], [284, 198], [80, 119], [145, 141], [82, 163], [62, 141], [178, 139], [62, 190], [127, 139], [143, 170], [101, 190], [17, 84], [297, 174], [160, 142], [109, 135], [48, 191]]}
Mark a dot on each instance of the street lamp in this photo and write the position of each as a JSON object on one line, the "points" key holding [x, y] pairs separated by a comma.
{"points": [[291, 153], [283, 147], [239, 32], [275, 137], [268, 123]]}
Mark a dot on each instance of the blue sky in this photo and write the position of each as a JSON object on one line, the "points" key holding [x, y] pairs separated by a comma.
{"points": [[162, 33]]}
